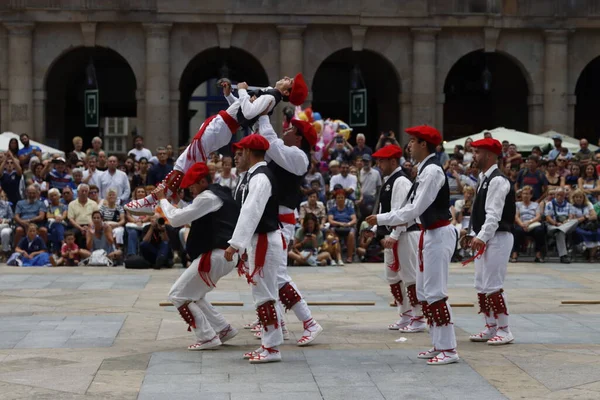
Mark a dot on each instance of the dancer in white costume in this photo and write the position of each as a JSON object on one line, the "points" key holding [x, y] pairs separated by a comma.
{"points": [[216, 131]]}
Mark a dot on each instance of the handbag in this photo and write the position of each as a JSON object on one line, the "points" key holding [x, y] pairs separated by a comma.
{"points": [[99, 258], [591, 226]]}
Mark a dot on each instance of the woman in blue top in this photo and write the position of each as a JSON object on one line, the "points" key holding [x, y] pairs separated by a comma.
{"points": [[342, 220], [31, 250]]}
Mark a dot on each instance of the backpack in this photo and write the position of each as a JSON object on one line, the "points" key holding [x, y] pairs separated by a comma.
{"points": [[136, 262], [98, 258]]}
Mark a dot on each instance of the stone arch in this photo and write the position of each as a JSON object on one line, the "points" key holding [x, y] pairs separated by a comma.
{"points": [[207, 66], [66, 80], [332, 82], [483, 91]]}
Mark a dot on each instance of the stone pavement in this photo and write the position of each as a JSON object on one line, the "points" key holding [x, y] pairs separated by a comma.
{"points": [[98, 333]]}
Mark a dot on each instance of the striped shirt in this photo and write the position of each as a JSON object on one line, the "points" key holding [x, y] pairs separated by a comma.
{"points": [[110, 213]]}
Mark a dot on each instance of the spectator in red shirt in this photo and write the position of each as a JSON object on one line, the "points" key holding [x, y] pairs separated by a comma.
{"points": [[531, 176]]}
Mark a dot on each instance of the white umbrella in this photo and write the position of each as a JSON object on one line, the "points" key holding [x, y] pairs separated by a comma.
{"points": [[524, 141], [569, 142], [6, 136]]}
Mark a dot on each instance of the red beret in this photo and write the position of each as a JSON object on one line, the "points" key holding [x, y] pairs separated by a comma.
{"points": [[307, 130], [389, 151], [489, 144], [194, 174], [299, 91], [253, 142], [426, 133]]}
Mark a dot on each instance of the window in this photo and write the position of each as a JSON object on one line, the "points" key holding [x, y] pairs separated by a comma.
{"points": [[115, 135]]}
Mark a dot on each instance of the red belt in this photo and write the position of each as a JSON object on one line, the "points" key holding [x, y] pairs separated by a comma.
{"points": [[204, 267], [396, 264], [435, 225], [196, 145], [288, 218]]}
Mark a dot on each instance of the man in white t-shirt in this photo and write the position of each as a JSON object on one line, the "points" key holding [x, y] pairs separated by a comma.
{"points": [[139, 151], [345, 179]]}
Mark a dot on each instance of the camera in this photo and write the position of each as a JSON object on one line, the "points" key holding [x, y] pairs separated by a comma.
{"points": [[161, 221], [339, 139]]}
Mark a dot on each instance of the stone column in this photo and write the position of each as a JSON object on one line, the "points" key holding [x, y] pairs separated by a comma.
{"points": [[140, 120], [157, 119], [20, 77], [174, 104], [423, 82], [535, 104], [405, 113], [4, 114], [555, 81], [572, 102], [39, 109], [291, 60], [440, 100]]}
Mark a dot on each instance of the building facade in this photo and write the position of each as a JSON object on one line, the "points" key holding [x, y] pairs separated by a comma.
{"points": [[460, 65]]}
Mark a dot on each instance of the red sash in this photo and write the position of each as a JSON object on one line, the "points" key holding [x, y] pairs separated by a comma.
{"points": [[395, 266], [479, 254], [287, 218], [204, 269], [196, 145], [259, 257], [435, 225]]}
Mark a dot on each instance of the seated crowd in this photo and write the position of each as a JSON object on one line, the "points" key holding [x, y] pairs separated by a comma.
{"points": [[60, 211]]}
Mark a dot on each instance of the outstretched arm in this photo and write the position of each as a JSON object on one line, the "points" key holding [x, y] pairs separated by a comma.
{"points": [[292, 159], [205, 203]]}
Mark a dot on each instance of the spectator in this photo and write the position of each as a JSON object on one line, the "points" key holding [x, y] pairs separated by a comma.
{"points": [[11, 178], [314, 207], [31, 250], [30, 211], [102, 164], [135, 224], [346, 180], [99, 236], [78, 148], [160, 171], [113, 178], [226, 177], [313, 174], [6, 219], [113, 215], [471, 177], [361, 148], [77, 178], [141, 177], [155, 247], [308, 241], [342, 220], [468, 152], [385, 139], [342, 150], [94, 194], [67, 196], [552, 176], [129, 168], [13, 147], [365, 240], [39, 178], [533, 177], [584, 156], [332, 246], [536, 151], [96, 147], [555, 152], [528, 224], [315, 185], [487, 135], [572, 180], [455, 180], [587, 219], [505, 146], [513, 158], [563, 171], [461, 210], [558, 212], [80, 213], [589, 184], [27, 151], [441, 155], [370, 182], [334, 169], [70, 253], [58, 177], [91, 176], [139, 150], [56, 214]]}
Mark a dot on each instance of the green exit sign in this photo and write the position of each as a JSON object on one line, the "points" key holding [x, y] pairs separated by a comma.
{"points": [[358, 107], [92, 108]]}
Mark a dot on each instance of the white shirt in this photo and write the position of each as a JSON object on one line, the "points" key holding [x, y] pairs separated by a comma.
{"points": [[290, 158], [369, 181], [431, 179], [498, 188], [255, 200], [527, 213], [118, 180], [144, 152], [249, 109], [205, 203], [399, 193], [347, 182], [95, 179]]}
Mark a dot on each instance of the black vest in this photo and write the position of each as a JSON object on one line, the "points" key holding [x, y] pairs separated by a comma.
{"points": [[213, 230], [508, 213], [385, 200], [269, 221], [439, 210], [239, 189], [288, 186], [248, 123]]}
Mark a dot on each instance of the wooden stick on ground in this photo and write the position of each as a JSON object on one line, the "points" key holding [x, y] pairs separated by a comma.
{"points": [[341, 303], [214, 303], [580, 302], [392, 304]]}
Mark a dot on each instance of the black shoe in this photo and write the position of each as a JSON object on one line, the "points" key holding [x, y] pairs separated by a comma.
{"points": [[161, 261], [538, 260], [565, 260]]}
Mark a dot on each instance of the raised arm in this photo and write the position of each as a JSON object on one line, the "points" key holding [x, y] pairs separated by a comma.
{"points": [[203, 204], [292, 159]]}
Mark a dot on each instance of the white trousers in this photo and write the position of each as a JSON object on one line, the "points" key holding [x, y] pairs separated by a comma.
{"points": [[408, 253], [490, 269], [265, 288], [6, 235], [432, 283], [190, 288], [118, 232], [215, 136], [300, 309]]}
